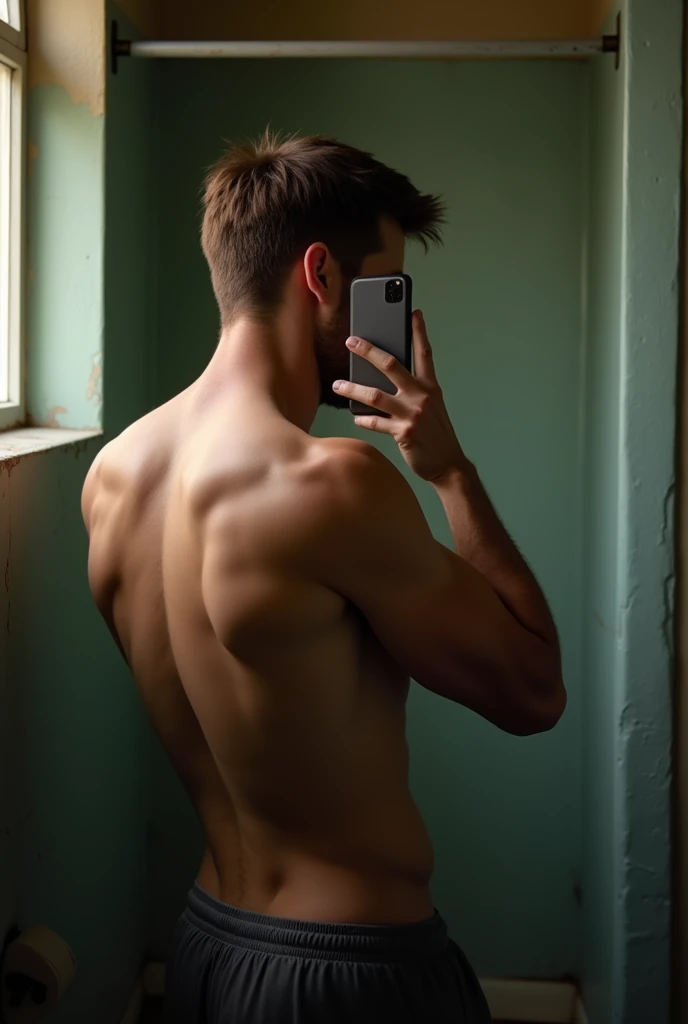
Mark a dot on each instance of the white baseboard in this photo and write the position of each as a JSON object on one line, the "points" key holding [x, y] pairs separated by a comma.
{"points": [[133, 1011], [538, 1002]]}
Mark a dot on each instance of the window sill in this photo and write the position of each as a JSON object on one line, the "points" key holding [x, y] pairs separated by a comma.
{"points": [[28, 440]]}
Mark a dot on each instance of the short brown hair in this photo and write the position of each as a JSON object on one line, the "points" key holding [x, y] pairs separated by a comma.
{"points": [[267, 201]]}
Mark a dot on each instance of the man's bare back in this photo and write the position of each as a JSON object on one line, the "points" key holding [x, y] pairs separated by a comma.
{"points": [[274, 593], [279, 708]]}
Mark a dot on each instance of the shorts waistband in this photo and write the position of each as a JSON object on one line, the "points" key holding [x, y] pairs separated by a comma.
{"points": [[369, 943]]}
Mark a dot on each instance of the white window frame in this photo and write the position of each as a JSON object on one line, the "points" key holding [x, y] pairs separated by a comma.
{"points": [[13, 54]]}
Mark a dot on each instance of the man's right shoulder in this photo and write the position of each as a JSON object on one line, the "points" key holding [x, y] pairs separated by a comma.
{"points": [[348, 455], [353, 505], [314, 502], [348, 476]]}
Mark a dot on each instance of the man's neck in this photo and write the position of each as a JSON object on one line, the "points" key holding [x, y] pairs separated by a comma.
{"points": [[273, 362]]}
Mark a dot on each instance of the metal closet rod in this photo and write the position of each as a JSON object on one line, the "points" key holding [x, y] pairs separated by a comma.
{"points": [[413, 50]]}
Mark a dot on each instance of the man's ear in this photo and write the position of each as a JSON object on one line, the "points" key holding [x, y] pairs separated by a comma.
{"points": [[323, 275]]}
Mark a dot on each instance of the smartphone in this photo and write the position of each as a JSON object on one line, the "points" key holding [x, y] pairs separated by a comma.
{"points": [[381, 314]]}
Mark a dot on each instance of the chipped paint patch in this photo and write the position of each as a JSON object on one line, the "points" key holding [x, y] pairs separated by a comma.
{"points": [[7, 465], [57, 410], [65, 252], [94, 391], [68, 49]]}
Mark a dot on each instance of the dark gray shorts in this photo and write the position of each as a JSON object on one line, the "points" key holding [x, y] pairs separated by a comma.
{"points": [[230, 966]]}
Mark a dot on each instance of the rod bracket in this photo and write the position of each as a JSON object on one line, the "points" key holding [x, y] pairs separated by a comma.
{"points": [[612, 44], [118, 47]]}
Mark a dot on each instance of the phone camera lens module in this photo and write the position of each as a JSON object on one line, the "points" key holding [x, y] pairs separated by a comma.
{"points": [[394, 291]]}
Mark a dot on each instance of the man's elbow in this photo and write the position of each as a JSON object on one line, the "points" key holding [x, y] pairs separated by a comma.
{"points": [[541, 711]]}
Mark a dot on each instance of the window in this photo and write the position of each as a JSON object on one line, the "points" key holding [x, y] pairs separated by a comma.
{"points": [[12, 163]]}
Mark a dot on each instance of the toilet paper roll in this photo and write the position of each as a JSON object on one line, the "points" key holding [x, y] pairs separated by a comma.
{"points": [[42, 955]]}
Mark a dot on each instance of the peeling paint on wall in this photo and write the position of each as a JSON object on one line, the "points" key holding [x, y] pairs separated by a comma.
{"points": [[681, 833], [66, 210], [67, 48], [57, 410], [94, 391], [67, 72]]}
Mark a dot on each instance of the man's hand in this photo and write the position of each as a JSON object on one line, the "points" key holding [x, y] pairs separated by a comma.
{"points": [[416, 417], [497, 650]]}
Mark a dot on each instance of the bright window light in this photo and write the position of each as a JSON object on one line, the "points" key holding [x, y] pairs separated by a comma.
{"points": [[12, 164]]}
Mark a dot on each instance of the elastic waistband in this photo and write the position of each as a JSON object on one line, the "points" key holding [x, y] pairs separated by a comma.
{"points": [[370, 943]]}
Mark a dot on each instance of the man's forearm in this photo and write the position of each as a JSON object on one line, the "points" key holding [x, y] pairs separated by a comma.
{"points": [[482, 540]]}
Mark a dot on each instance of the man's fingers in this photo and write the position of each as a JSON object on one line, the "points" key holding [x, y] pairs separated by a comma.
{"points": [[422, 353], [377, 423], [384, 362], [374, 398]]}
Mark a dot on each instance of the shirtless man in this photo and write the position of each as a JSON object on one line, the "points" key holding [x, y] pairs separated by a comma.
{"points": [[274, 592]]}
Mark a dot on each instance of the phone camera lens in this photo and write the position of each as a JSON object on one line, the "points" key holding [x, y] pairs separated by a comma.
{"points": [[394, 291]]}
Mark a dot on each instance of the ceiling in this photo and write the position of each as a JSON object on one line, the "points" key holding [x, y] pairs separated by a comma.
{"points": [[363, 19]]}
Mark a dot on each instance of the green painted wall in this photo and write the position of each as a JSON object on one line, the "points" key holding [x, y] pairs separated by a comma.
{"points": [[65, 259], [131, 250], [81, 804], [601, 525], [628, 604], [72, 801], [74, 794], [9, 747], [505, 144], [652, 198], [566, 405]]}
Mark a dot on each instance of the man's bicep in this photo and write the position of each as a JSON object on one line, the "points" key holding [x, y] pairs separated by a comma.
{"points": [[442, 623], [435, 615]]}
